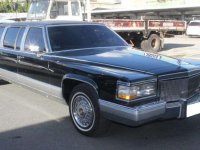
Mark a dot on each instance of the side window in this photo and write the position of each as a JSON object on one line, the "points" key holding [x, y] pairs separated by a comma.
{"points": [[34, 40], [10, 37], [19, 38], [1, 31]]}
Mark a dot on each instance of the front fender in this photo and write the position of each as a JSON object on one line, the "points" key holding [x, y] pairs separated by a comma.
{"points": [[69, 81], [80, 78]]}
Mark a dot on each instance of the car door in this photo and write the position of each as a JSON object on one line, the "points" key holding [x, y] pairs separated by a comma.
{"points": [[8, 52], [32, 66]]}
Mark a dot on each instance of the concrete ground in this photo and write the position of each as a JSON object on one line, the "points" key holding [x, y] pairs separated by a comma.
{"points": [[182, 47], [29, 121]]}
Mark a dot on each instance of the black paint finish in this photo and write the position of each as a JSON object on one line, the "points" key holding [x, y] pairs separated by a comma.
{"points": [[104, 66], [8, 60], [33, 67]]}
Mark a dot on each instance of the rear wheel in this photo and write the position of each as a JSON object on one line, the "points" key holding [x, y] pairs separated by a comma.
{"points": [[154, 43], [85, 111]]}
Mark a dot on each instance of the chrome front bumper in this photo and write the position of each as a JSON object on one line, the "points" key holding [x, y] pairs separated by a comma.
{"points": [[138, 115]]}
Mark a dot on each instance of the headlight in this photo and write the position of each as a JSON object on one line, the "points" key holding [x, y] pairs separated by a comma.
{"points": [[136, 91]]}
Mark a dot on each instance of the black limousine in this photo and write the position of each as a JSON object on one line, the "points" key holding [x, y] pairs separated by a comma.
{"points": [[98, 74]]}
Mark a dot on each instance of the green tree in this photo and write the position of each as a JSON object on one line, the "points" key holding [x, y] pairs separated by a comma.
{"points": [[9, 6]]}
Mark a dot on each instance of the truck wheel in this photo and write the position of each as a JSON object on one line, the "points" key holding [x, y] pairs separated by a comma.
{"points": [[154, 43], [143, 45], [85, 112]]}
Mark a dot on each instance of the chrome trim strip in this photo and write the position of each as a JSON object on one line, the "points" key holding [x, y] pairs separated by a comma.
{"points": [[47, 40], [35, 85], [82, 49], [24, 38], [15, 45], [137, 82], [77, 24]]}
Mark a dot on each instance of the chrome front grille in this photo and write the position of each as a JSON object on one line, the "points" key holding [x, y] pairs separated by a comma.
{"points": [[193, 86], [171, 90]]}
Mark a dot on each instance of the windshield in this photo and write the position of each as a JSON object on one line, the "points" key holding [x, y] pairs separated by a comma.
{"points": [[38, 9], [82, 36]]}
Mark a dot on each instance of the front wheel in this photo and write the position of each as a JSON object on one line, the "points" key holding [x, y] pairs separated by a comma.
{"points": [[85, 111]]}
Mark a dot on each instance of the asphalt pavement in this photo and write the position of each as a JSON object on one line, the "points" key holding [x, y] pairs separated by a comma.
{"points": [[29, 121]]}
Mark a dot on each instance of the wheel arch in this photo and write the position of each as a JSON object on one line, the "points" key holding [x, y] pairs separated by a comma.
{"points": [[69, 81]]}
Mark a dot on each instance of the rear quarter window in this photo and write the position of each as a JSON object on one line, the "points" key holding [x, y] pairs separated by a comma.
{"points": [[10, 37]]}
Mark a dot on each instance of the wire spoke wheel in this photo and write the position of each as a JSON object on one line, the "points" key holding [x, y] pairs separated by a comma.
{"points": [[82, 111], [85, 111]]}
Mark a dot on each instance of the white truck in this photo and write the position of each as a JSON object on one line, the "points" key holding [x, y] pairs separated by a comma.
{"points": [[145, 34]]}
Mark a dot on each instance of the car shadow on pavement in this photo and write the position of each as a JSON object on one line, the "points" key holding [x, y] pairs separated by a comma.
{"points": [[169, 46], [2, 82], [61, 135]]}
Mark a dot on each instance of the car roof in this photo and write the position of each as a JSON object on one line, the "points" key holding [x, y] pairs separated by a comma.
{"points": [[46, 23]]}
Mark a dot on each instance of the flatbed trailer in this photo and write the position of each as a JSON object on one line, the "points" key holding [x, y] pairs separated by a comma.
{"points": [[145, 34]]}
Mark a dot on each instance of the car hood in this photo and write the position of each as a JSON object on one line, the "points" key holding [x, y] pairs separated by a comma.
{"points": [[127, 58]]}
